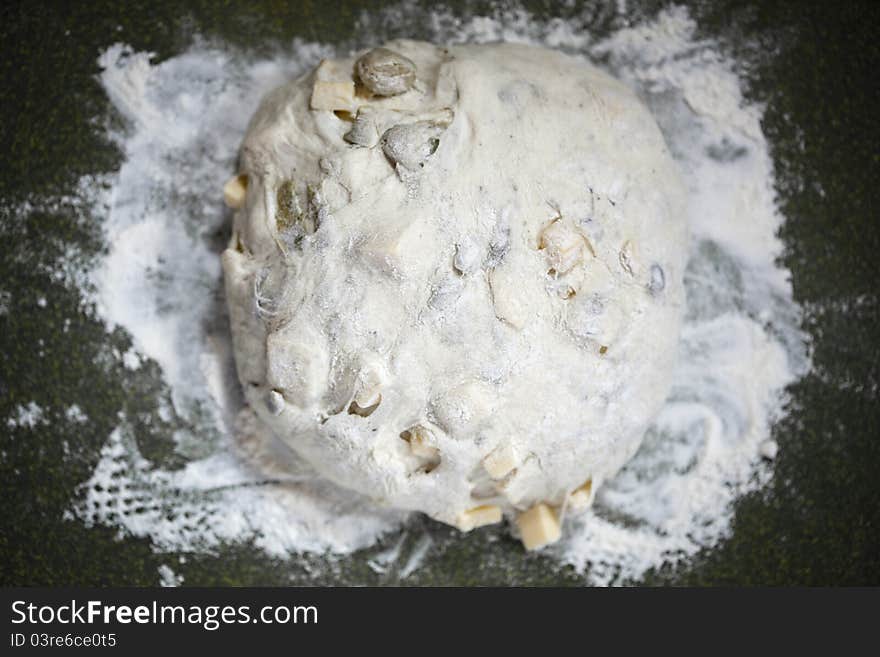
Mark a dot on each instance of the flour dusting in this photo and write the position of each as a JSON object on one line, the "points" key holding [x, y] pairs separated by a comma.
{"points": [[168, 578], [29, 416], [160, 281]]}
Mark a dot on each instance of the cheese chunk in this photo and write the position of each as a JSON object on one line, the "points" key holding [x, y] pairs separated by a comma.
{"points": [[367, 398], [369, 391], [364, 407], [538, 527], [487, 514], [581, 497], [333, 95], [420, 445], [235, 190], [500, 462], [564, 246]]}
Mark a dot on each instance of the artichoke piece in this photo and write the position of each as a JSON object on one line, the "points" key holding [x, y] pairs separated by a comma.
{"points": [[385, 72], [363, 131], [290, 217], [409, 145]]}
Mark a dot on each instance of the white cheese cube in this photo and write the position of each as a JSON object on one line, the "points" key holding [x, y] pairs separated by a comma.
{"points": [[518, 485], [538, 527], [333, 95], [500, 462], [235, 190], [581, 497], [487, 514], [418, 443], [564, 246], [369, 387], [368, 398], [364, 405]]}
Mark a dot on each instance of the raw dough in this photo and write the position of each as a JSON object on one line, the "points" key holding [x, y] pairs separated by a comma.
{"points": [[464, 295]]}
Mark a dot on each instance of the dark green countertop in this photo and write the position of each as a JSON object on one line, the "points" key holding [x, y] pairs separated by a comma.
{"points": [[814, 64]]}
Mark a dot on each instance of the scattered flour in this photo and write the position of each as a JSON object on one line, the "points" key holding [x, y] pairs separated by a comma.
{"points": [[75, 414], [131, 359], [164, 221], [168, 578], [27, 416], [416, 556]]}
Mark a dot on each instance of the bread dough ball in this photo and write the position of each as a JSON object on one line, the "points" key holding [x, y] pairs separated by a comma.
{"points": [[463, 298]]}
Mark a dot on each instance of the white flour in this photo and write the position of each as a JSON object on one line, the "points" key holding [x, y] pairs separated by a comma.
{"points": [[161, 282], [27, 416], [168, 578]]}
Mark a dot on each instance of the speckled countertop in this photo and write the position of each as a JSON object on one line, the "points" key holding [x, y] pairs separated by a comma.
{"points": [[817, 523]]}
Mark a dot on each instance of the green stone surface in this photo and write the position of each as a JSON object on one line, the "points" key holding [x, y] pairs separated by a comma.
{"points": [[814, 65]]}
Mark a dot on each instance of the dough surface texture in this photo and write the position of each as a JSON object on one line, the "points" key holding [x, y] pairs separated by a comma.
{"points": [[462, 299]]}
